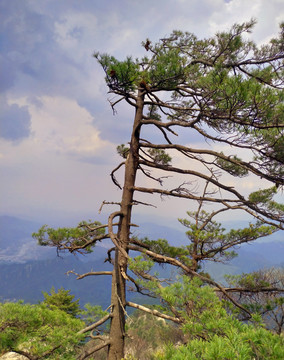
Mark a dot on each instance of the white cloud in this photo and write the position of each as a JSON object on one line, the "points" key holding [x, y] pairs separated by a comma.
{"points": [[43, 172], [267, 13], [59, 125]]}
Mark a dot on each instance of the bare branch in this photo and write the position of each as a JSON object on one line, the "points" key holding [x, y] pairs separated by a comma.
{"points": [[89, 352], [91, 273], [107, 203], [153, 312], [254, 290], [147, 173], [95, 325], [113, 177], [218, 155], [182, 193], [112, 235], [136, 202]]}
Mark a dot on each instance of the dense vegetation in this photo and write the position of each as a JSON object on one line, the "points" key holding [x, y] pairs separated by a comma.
{"points": [[38, 332], [56, 329]]}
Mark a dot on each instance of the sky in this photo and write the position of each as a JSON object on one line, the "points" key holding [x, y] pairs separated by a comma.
{"points": [[58, 135]]}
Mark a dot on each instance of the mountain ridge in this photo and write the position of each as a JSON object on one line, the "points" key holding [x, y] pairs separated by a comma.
{"points": [[32, 269]]}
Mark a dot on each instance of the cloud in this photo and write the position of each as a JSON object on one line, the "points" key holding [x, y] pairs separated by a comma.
{"points": [[59, 148], [268, 17], [60, 126], [7, 74], [15, 121], [63, 166], [46, 53]]}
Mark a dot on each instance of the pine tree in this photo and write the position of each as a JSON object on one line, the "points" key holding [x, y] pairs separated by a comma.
{"points": [[225, 90]]}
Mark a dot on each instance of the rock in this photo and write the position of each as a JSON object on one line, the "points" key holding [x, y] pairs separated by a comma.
{"points": [[13, 356]]}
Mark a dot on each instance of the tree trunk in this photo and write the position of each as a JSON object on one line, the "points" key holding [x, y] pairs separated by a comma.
{"points": [[117, 327]]}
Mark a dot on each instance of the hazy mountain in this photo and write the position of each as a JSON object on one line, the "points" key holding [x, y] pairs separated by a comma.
{"points": [[26, 281], [16, 242], [154, 232], [27, 269], [250, 258]]}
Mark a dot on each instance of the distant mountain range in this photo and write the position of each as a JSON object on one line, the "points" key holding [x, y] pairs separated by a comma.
{"points": [[26, 281], [27, 269], [16, 242]]}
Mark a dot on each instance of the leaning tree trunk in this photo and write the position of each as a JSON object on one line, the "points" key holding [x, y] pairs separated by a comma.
{"points": [[117, 327]]}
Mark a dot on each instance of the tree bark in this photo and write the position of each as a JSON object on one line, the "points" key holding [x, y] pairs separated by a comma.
{"points": [[118, 299]]}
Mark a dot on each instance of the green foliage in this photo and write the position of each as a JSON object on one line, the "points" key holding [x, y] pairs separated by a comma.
{"points": [[140, 264], [253, 232], [122, 150], [92, 313], [176, 60], [159, 156], [199, 309], [267, 304], [121, 75], [153, 113], [209, 240], [252, 281], [264, 198], [232, 167], [81, 238], [62, 300], [38, 330], [162, 247], [168, 69], [274, 140], [238, 87], [214, 334], [245, 343]]}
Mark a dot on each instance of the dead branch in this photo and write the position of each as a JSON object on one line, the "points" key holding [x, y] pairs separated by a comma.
{"points": [[112, 104], [153, 312], [109, 259], [112, 235], [185, 149], [82, 276], [95, 325], [114, 178], [107, 203], [136, 202], [182, 193], [87, 353], [254, 290], [246, 206], [147, 173]]}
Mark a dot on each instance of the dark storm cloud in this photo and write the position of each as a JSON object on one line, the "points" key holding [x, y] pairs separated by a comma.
{"points": [[14, 122]]}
